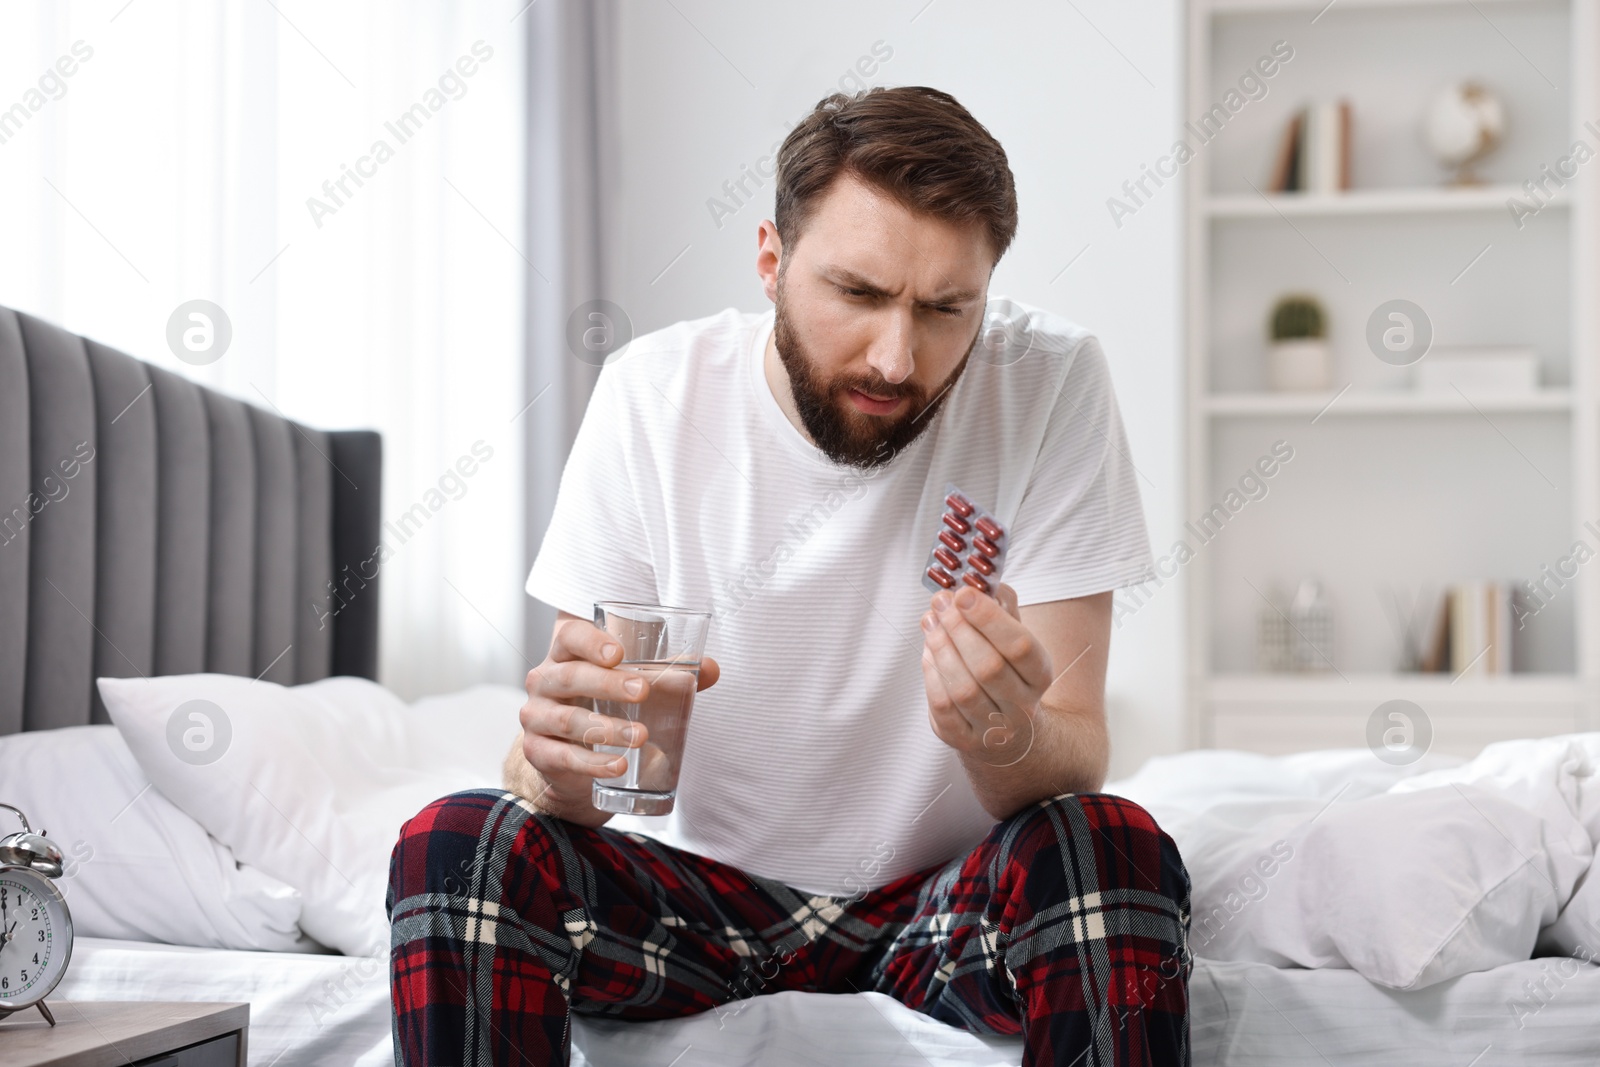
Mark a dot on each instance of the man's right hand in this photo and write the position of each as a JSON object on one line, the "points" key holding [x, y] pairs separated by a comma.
{"points": [[550, 763]]}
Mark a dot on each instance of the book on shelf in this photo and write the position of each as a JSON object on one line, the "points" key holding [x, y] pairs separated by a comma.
{"points": [[1472, 631], [1314, 155], [1286, 172]]}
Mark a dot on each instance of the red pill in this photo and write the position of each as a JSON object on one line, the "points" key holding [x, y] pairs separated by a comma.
{"points": [[988, 548], [990, 530], [977, 583], [947, 557], [959, 506], [956, 523], [955, 543], [980, 564], [941, 577]]}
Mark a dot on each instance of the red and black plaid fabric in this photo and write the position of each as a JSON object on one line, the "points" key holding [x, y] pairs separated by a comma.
{"points": [[1067, 925]]}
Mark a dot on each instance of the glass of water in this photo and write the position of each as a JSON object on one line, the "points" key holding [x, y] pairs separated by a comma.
{"points": [[663, 645]]}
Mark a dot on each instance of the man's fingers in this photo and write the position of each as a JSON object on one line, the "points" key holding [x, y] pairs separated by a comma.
{"points": [[1007, 597], [584, 666], [709, 672], [987, 629], [578, 725], [961, 688], [948, 722], [553, 757], [578, 639], [568, 679], [977, 663], [587, 727]]}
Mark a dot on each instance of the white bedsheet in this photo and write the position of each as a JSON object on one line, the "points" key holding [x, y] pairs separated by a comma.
{"points": [[1254, 1015], [334, 1011]]}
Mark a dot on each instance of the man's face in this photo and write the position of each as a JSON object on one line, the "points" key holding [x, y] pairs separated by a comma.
{"points": [[877, 311]]}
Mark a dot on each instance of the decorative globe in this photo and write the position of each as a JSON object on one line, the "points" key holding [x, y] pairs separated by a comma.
{"points": [[1463, 124]]}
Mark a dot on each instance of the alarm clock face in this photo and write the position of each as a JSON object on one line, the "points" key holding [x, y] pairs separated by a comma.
{"points": [[35, 937]]}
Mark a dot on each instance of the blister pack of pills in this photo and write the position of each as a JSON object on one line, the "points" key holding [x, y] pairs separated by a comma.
{"points": [[971, 548]]}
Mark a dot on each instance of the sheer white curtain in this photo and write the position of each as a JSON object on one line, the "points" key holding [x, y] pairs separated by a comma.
{"points": [[346, 183]]}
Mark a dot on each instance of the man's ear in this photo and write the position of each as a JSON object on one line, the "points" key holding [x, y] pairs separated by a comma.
{"points": [[769, 257]]}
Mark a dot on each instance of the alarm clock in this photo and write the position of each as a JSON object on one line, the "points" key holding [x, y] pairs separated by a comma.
{"points": [[35, 925]]}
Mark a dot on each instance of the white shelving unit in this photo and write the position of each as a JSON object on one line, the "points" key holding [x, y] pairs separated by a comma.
{"points": [[1389, 487]]}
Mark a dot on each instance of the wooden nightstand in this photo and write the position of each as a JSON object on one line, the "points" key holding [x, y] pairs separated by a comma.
{"points": [[120, 1033]]}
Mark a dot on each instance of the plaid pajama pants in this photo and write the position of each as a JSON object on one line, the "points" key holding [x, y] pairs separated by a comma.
{"points": [[1068, 924]]}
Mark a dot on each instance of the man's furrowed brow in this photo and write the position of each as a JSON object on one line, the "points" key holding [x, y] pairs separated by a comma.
{"points": [[850, 279], [954, 296]]}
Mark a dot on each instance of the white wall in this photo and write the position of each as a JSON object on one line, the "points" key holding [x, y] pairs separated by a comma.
{"points": [[1080, 95]]}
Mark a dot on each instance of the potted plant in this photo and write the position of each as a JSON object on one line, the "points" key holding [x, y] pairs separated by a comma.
{"points": [[1298, 356]]}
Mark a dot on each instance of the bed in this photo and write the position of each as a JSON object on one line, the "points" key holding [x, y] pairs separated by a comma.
{"points": [[335, 1010], [183, 560], [323, 1008]]}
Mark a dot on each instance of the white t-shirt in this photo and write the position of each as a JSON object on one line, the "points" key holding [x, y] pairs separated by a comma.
{"points": [[812, 760]]}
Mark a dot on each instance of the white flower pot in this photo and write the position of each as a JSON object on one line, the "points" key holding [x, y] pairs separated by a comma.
{"points": [[1301, 364]]}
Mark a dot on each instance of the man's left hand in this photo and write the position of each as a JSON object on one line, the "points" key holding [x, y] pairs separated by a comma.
{"points": [[985, 674]]}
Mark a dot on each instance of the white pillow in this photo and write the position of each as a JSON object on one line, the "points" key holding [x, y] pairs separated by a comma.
{"points": [[138, 868], [312, 783], [1407, 888], [1557, 779]]}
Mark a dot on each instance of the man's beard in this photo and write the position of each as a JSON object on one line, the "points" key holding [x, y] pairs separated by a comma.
{"points": [[852, 437]]}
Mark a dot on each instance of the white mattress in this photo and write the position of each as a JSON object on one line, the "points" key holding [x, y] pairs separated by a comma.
{"points": [[334, 1010]]}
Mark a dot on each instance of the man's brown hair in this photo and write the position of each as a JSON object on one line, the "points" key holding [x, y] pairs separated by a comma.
{"points": [[917, 145]]}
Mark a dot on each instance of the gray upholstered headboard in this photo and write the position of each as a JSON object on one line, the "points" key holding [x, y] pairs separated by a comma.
{"points": [[152, 526]]}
